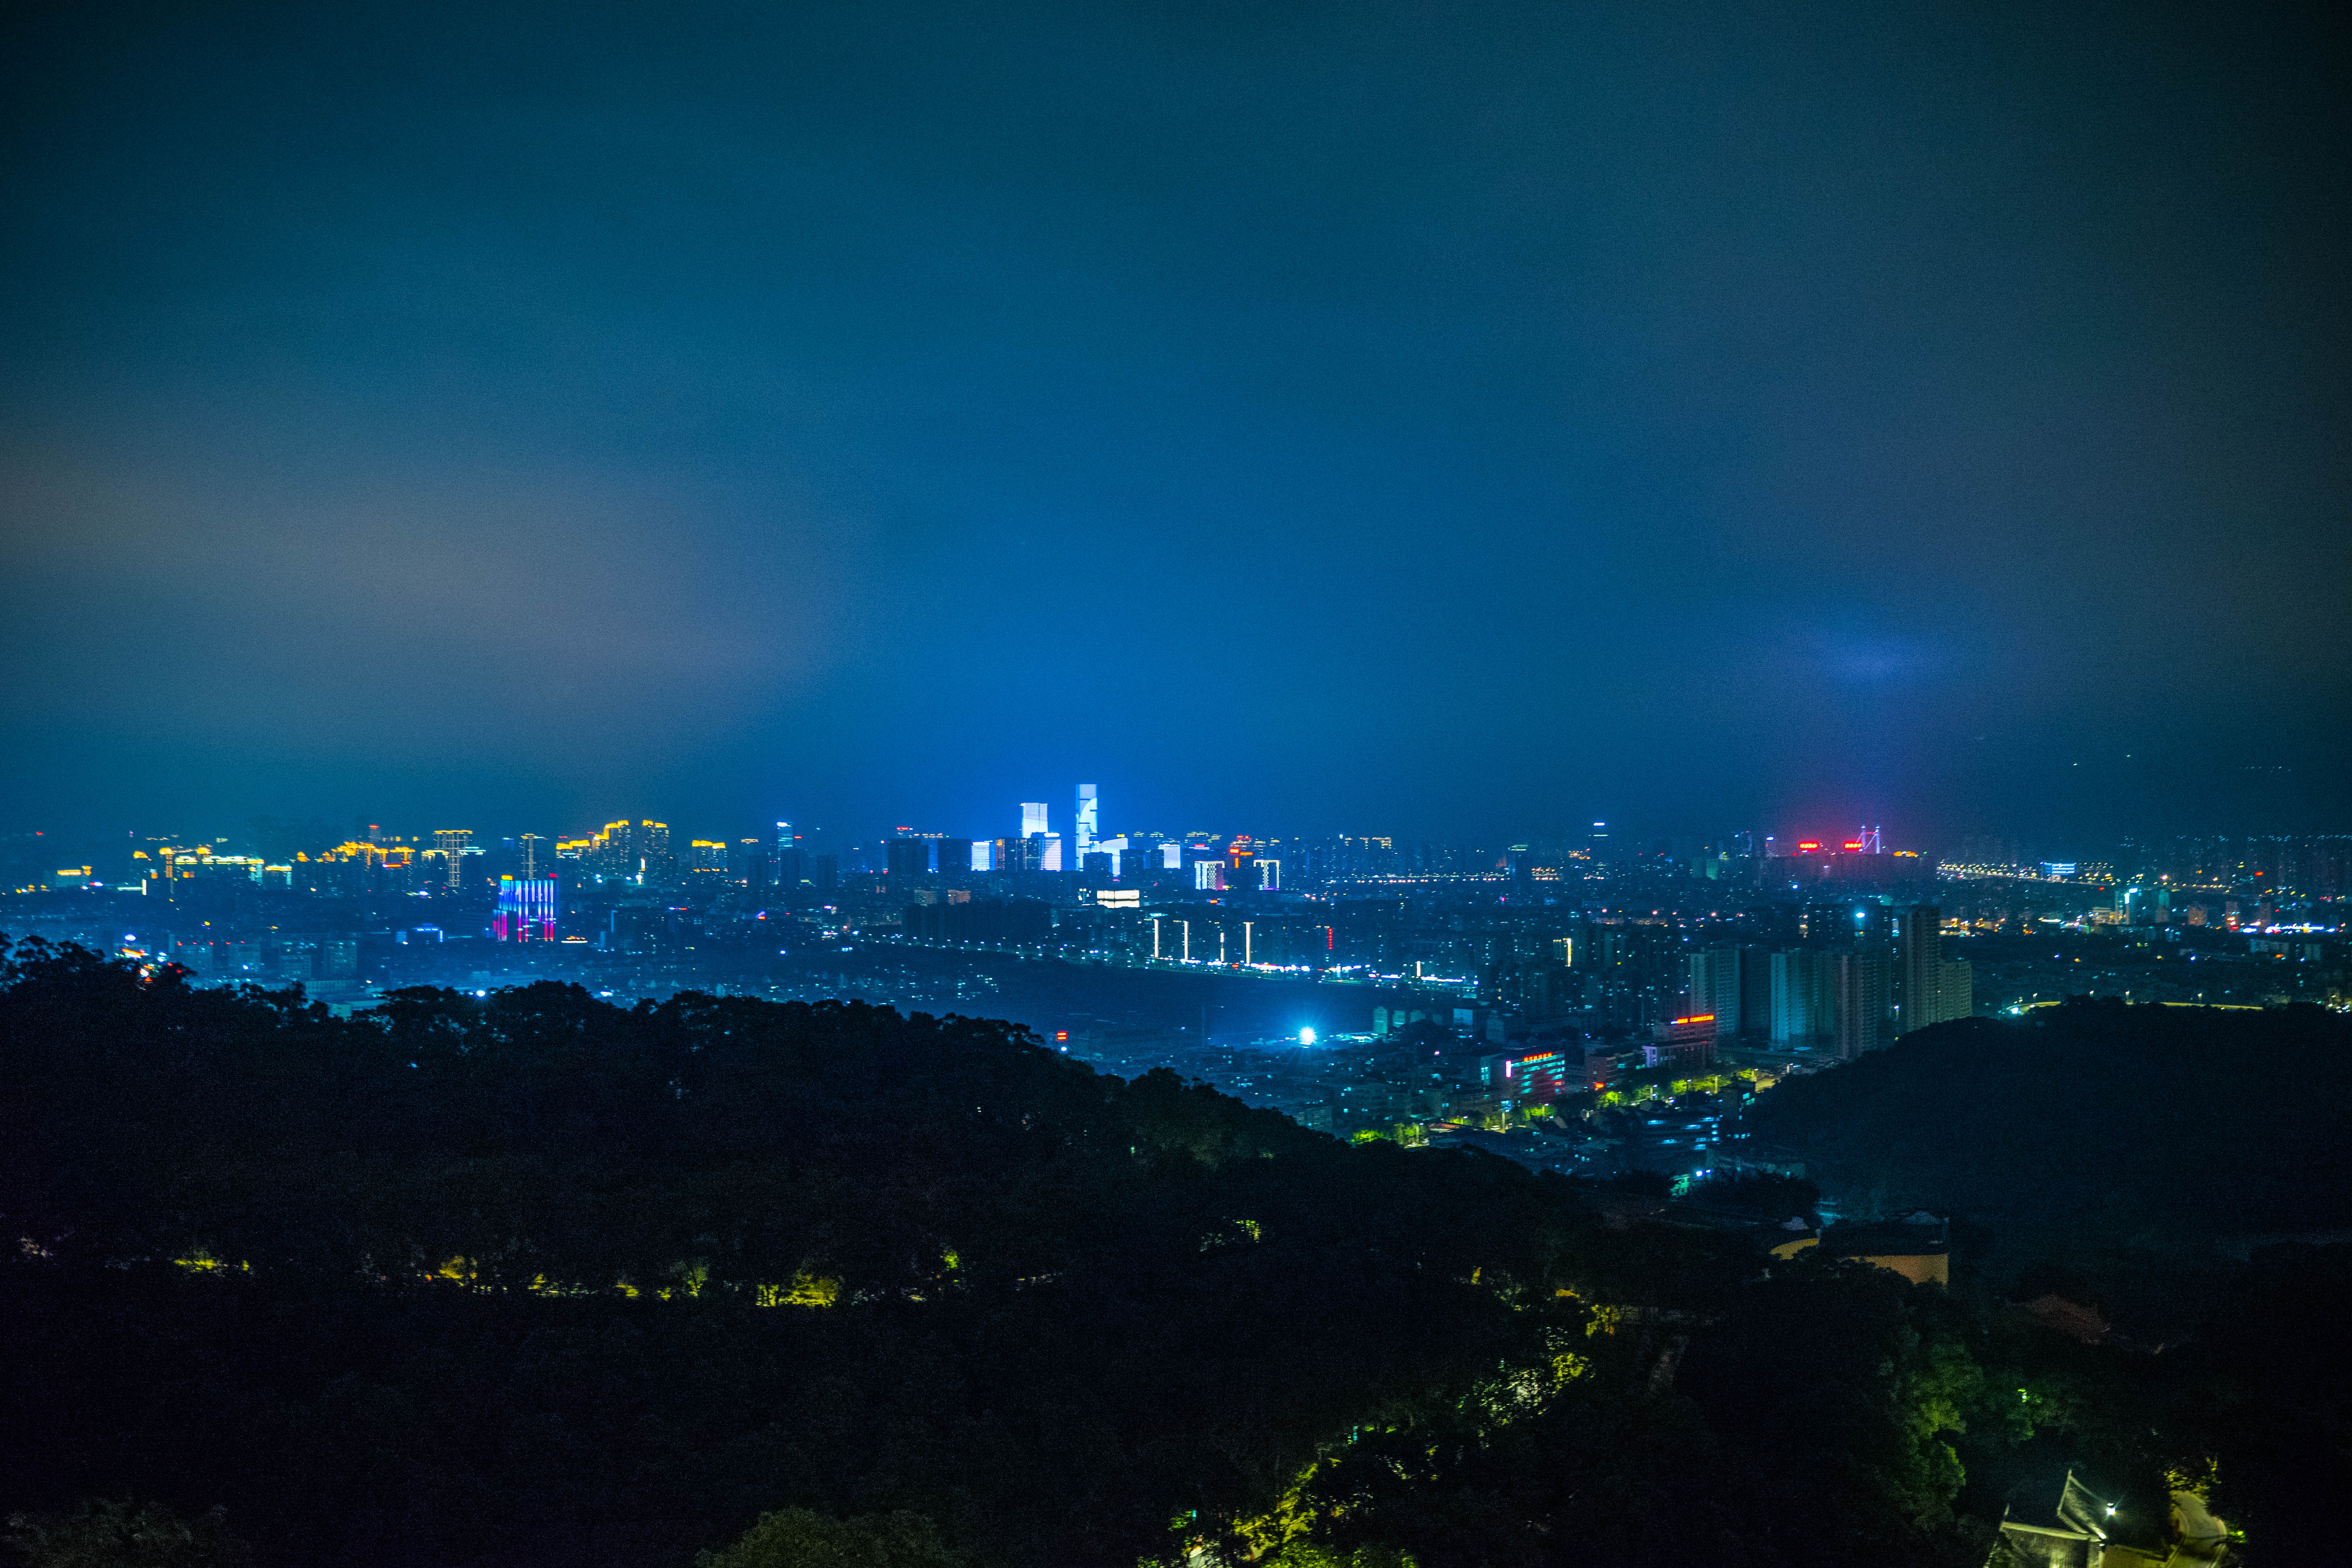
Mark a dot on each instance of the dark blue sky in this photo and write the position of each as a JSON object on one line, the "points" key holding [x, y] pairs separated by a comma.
{"points": [[1455, 421]]}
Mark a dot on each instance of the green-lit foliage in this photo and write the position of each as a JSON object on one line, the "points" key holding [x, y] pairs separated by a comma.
{"points": [[798, 1538], [122, 1534]]}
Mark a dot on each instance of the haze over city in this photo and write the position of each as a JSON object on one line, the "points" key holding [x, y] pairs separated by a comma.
{"points": [[1457, 424]]}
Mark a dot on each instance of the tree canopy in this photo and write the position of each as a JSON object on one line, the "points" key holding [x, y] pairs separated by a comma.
{"points": [[535, 1279]]}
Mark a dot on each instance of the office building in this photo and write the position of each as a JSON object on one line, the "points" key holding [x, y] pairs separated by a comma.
{"points": [[907, 860], [1686, 1042], [1032, 818], [1521, 1076], [1089, 823]]}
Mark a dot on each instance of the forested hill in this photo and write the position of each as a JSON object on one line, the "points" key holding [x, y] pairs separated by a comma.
{"points": [[2092, 1124], [532, 1280]]}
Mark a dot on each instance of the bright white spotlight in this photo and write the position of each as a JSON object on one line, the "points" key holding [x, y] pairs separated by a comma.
{"points": [[1306, 1037]]}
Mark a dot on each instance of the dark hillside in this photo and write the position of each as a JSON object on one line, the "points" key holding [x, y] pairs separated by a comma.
{"points": [[2090, 1127], [532, 1280]]}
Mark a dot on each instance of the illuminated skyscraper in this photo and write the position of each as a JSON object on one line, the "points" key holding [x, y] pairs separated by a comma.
{"points": [[789, 867], [655, 865], [450, 843], [1090, 821], [1032, 818], [752, 867], [526, 910], [614, 853]]}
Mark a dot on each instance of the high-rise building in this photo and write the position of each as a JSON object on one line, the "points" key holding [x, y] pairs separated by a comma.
{"points": [[1032, 818], [1919, 937], [907, 858], [451, 844], [1714, 976], [1956, 989], [984, 854], [1114, 847], [788, 863], [1804, 1009], [752, 865], [530, 847], [1860, 982], [657, 867], [1090, 821], [526, 910], [1936, 989], [1755, 990]]}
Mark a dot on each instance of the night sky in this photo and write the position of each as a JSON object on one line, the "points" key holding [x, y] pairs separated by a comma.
{"points": [[1456, 421]]}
